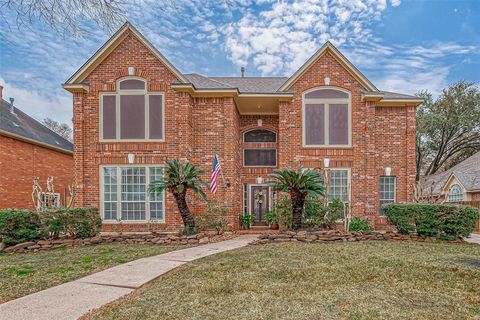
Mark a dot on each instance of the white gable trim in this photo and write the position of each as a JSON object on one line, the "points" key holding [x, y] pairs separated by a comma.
{"points": [[447, 185], [110, 45], [340, 57]]}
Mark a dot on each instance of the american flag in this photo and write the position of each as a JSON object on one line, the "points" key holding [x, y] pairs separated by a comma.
{"points": [[215, 172]]}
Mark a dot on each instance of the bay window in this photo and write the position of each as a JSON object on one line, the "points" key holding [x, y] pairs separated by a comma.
{"points": [[327, 118], [132, 113], [125, 193]]}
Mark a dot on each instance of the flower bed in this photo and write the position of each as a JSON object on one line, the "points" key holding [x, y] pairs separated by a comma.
{"points": [[152, 239], [339, 236]]}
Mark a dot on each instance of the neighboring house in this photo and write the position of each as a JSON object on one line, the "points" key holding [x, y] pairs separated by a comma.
{"points": [[459, 183], [28, 149], [133, 110]]}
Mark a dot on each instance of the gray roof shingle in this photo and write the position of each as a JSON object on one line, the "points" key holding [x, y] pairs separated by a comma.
{"points": [[260, 85], [21, 124], [467, 172]]}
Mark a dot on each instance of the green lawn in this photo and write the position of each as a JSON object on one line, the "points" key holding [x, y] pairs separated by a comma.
{"points": [[362, 280], [22, 274]]}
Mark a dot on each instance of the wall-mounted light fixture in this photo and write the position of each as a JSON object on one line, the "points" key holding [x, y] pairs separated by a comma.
{"points": [[131, 158], [326, 163], [131, 71], [259, 122], [259, 180], [326, 80], [388, 171], [227, 183]]}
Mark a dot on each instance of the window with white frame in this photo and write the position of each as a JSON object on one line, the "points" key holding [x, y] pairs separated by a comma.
{"points": [[388, 190], [339, 185], [326, 117], [455, 193], [125, 193], [132, 113]]}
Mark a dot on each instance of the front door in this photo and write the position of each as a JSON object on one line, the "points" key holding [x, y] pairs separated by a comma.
{"points": [[260, 203]]}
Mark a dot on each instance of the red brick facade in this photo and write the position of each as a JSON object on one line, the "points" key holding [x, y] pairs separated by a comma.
{"points": [[21, 161], [197, 127]]}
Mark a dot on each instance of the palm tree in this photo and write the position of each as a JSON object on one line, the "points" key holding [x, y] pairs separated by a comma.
{"points": [[298, 183], [178, 179]]}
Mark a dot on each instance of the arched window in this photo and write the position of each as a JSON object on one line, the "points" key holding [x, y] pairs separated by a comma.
{"points": [[327, 117], [261, 150], [132, 113], [260, 135], [455, 193]]}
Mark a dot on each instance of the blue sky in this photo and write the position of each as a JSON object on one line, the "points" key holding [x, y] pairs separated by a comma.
{"points": [[400, 45]]}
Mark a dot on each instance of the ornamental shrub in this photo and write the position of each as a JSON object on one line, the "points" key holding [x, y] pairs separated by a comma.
{"points": [[358, 224], [433, 220], [214, 218], [72, 223], [17, 226]]}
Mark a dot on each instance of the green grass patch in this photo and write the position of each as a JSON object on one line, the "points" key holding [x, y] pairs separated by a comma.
{"points": [[22, 274], [361, 280]]}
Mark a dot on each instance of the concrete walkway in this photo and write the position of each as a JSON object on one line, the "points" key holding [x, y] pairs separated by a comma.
{"points": [[73, 299], [474, 238]]}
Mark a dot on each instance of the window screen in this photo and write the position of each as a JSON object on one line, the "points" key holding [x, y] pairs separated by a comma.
{"points": [[132, 117], [260, 157], [260, 136], [387, 191], [314, 124], [338, 124], [132, 84], [326, 94], [109, 115], [155, 116]]}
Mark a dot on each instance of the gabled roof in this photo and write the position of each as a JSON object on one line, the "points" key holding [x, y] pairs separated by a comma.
{"points": [[109, 46], [20, 125], [467, 173], [328, 46]]}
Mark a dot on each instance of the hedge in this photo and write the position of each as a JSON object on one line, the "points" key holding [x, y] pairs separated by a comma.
{"points": [[433, 220], [17, 226]]}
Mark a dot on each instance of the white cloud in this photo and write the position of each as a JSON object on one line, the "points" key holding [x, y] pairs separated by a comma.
{"points": [[39, 105], [280, 38]]}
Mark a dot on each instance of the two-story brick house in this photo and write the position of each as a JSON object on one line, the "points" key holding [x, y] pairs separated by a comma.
{"points": [[133, 109]]}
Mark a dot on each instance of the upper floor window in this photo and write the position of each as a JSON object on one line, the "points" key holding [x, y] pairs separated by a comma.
{"points": [[260, 156], [327, 117], [132, 113], [260, 135], [455, 193]]}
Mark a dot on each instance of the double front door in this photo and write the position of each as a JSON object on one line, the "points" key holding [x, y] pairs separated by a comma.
{"points": [[260, 203]]}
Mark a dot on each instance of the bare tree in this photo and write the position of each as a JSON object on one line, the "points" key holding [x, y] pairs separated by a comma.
{"points": [[61, 129], [63, 16]]}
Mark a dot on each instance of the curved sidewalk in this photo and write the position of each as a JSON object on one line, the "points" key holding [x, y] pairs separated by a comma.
{"points": [[73, 299]]}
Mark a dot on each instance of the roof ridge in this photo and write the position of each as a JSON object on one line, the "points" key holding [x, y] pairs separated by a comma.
{"points": [[206, 77]]}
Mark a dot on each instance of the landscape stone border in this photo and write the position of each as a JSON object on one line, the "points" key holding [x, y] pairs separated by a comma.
{"points": [[340, 236], [152, 239]]}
